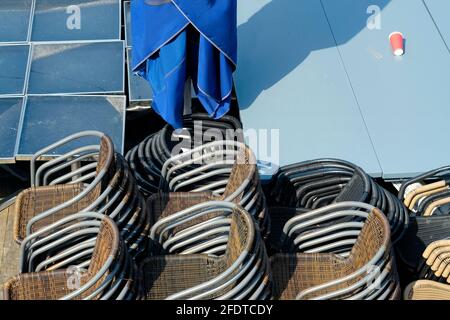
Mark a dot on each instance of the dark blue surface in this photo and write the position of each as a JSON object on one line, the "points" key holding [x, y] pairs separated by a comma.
{"points": [[13, 66], [10, 110], [48, 119], [77, 68], [14, 20], [139, 89], [54, 20]]}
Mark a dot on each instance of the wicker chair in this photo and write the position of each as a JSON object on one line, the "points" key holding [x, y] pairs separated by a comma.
{"points": [[427, 290], [42, 204], [241, 180], [432, 193], [435, 262], [369, 271], [422, 231], [113, 192], [427, 196], [317, 183], [243, 187], [331, 229], [200, 228], [436, 180], [147, 158], [295, 184], [111, 273], [241, 273]]}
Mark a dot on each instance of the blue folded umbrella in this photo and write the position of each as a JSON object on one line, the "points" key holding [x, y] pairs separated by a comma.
{"points": [[174, 40]]}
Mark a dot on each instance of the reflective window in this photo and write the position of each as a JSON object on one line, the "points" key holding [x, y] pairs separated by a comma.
{"points": [[14, 20], [127, 15], [50, 118], [139, 89], [59, 20], [10, 110], [77, 68], [13, 66]]}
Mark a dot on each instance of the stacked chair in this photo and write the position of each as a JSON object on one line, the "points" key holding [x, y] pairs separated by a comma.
{"points": [[177, 220], [212, 250], [88, 178], [341, 251], [148, 157], [317, 183], [427, 290], [223, 170], [331, 229], [208, 218], [427, 196], [435, 262], [90, 243]]}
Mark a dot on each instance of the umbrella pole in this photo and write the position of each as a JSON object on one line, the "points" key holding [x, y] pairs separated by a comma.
{"points": [[188, 97]]}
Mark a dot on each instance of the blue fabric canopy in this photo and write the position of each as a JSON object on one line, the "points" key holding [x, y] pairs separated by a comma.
{"points": [[174, 40]]}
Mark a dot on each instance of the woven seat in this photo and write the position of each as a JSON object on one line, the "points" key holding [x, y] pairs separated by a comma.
{"points": [[111, 273], [435, 262], [112, 191], [33, 201], [241, 273], [429, 184], [55, 201], [422, 231], [330, 276], [427, 290], [242, 184]]}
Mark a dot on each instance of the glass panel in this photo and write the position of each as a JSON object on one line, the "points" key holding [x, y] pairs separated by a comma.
{"points": [[59, 20], [10, 109], [50, 118], [139, 88], [14, 20], [13, 66], [127, 15], [77, 68]]}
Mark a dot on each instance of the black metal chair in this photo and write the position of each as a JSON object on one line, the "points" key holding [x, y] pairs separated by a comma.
{"points": [[317, 183], [427, 196], [148, 157]]}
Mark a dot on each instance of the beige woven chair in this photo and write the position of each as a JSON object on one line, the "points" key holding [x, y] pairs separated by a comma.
{"points": [[413, 197], [436, 261], [427, 290], [433, 192]]}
